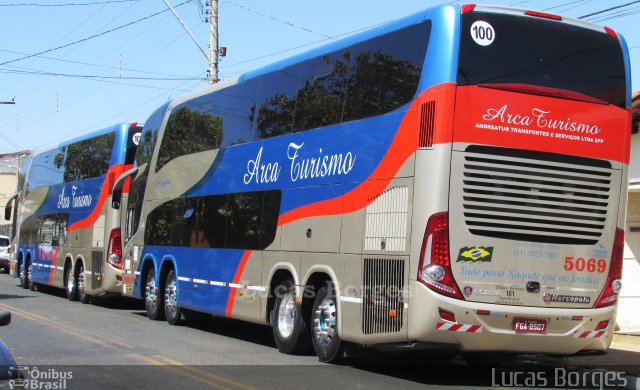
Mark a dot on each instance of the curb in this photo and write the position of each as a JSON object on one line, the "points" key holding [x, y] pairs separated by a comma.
{"points": [[627, 338]]}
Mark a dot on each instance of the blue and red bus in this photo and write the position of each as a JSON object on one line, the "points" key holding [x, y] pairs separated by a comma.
{"points": [[67, 230], [454, 180]]}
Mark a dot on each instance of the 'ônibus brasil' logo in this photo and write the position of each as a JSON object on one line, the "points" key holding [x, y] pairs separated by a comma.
{"points": [[475, 254], [80, 200]]}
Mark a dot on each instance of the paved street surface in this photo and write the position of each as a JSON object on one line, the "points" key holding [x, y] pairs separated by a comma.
{"points": [[111, 344]]}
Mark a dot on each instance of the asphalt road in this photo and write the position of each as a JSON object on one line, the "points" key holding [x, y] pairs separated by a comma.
{"points": [[111, 344]]}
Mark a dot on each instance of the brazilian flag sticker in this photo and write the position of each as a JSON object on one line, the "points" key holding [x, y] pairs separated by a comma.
{"points": [[475, 254]]}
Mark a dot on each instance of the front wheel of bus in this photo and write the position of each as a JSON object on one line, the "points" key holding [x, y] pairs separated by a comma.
{"points": [[326, 341], [153, 297], [290, 331], [171, 309]]}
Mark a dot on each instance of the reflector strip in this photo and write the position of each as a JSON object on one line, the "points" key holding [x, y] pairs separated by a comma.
{"points": [[222, 284], [464, 328], [351, 299], [586, 334]]}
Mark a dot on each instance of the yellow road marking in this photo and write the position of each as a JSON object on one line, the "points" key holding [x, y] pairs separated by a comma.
{"points": [[177, 370], [57, 325], [207, 373], [164, 362]]}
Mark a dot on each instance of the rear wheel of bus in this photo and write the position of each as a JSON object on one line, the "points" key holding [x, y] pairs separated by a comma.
{"points": [[324, 319], [153, 297], [24, 274], [290, 331], [70, 286], [80, 278], [172, 311]]}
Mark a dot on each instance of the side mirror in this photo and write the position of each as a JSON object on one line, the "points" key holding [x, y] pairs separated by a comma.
{"points": [[5, 318], [116, 199], [7, 212]]}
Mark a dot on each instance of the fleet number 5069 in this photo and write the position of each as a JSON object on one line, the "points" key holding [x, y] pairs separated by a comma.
{"points": [[580, 264]]}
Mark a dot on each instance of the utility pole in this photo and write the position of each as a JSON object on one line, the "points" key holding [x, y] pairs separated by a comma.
{"points": [[204, 53], [213, 43]]}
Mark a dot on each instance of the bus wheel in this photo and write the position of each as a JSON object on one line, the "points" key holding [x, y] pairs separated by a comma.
{"points": [[82, 295], [24, 275], [172, 311], [70, 286], [153, 297], [290, 331], [31, 284], [326, 341]]}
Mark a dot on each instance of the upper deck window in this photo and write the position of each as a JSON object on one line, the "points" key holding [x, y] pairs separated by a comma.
{"points": [[541, 52]]}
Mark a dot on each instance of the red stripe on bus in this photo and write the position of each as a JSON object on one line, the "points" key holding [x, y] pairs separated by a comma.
{"points": [[52, 270], [116, 170], [236, 279]]}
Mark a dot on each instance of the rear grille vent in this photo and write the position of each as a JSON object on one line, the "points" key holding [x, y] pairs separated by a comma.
{"points": [[386, 221], [427, 119], [532, 196], [382, 304], [96, 269]]}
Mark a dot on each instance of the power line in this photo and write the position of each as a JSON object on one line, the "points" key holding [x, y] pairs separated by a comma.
{"points": [[93, 36], [608, 9], [65, 5], [278, 20], [82, 76], [94, 65]]}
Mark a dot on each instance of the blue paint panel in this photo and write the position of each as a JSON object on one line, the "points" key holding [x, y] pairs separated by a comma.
{"points": [[207, 264], [281, 162], [76, 198]]}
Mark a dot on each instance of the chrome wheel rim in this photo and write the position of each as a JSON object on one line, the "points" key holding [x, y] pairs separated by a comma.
{"points": [[286, 314], [324, 319], [70, 282], [29, 270], [22, 274], [81, 280], [170, 296], [151, 294]]}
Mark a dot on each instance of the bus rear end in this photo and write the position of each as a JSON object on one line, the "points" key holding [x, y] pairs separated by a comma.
{"points": [[528, 257]]}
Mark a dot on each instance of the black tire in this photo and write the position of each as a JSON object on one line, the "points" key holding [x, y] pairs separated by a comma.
{"points": [[24, 276], [290, 331], [172, 310], [81, 281], [70, 284], [326, 342], [153, 297]]}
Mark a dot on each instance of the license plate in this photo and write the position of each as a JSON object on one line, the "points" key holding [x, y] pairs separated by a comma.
{"points": [[529, 325]]}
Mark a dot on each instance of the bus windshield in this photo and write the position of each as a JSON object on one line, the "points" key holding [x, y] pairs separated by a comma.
{"points": [[522, 50]]}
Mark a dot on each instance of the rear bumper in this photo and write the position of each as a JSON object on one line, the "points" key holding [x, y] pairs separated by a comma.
{"points": [[568, 330]]}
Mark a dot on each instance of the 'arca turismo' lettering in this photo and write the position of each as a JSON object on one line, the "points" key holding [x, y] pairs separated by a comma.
{"points": [[75, 201], [322, 165], [541, 119], [261, 173]]}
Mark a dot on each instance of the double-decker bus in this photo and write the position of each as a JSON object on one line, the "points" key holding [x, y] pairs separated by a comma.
{"points": [[68, 230], [453, 180], [11, 211]]}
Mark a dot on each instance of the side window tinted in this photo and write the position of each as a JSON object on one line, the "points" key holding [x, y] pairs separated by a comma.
{"points": [[237, 105], [321, 98], [239, 221], [385, 71], [276, 102]]}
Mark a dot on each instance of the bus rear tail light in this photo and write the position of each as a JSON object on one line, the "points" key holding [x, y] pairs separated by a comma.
{"points": [[609, 295], [543, 15], [467, 8], [434, 269], [114, 250], [611, 32]]}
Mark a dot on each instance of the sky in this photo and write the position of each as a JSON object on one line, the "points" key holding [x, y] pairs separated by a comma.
{"points": [[74, 66]]}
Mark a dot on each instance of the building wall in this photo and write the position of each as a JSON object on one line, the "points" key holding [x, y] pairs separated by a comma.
{"points": [[628, 313]]}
